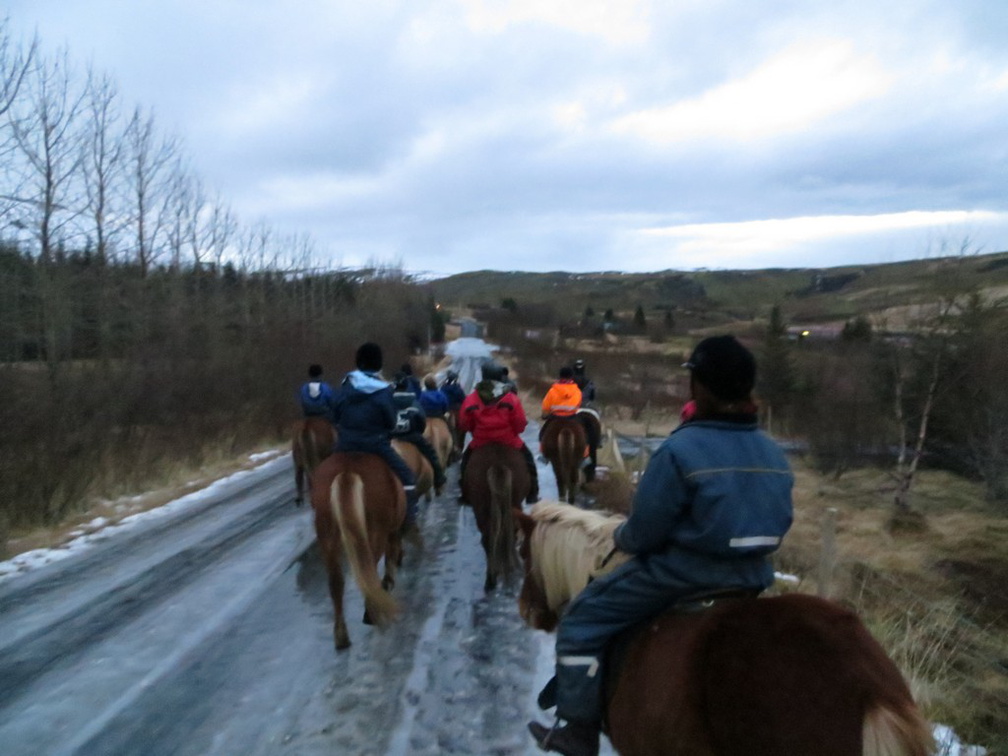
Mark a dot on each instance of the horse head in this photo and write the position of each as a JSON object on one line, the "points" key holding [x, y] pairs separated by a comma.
{"points": [[532, 603], [563, 547]]}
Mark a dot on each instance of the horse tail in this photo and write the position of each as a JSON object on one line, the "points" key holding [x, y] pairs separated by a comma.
{"points": [[346, 497], [568, 460], [897, 730], [310, 456], [503, 555]]}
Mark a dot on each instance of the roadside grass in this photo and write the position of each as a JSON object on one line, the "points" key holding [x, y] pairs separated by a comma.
{"points": [[937, 600], [115, 498]]}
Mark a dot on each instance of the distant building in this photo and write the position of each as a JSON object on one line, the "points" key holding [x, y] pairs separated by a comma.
{"points": [[470, 329], [820, 331]]}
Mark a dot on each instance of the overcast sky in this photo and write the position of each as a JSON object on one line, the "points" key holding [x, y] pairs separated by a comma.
{"points": [[579, 135]]}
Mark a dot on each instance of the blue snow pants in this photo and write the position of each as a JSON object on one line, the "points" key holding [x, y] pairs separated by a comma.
{"points": [[625, 597]]}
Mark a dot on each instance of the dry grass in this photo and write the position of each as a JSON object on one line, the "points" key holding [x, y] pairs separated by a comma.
{"points": [[937, 600], [171, 482]]}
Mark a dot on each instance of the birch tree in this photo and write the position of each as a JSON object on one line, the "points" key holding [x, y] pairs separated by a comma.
{"points": [[47, 132], [15, 63], [149, 160], [103, 166]]}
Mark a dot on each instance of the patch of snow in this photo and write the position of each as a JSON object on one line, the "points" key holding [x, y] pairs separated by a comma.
{"points": [[100, 528], [948, 743]]}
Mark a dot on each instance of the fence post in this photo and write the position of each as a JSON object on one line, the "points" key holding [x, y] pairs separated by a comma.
{"points": [[827, 557]]}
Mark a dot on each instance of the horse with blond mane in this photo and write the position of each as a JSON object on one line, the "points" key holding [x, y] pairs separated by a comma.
{"points": [[792, 674], [360, 506], [442, 439]]}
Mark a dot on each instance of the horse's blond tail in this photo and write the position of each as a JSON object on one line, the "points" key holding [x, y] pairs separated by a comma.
{"points": [[898, 730], [503, 553], [346, 497]]}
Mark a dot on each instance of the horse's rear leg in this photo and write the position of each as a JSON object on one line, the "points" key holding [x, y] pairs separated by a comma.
{"points": [[393, 558], [299, 484], [340, 634], [491, 577]]}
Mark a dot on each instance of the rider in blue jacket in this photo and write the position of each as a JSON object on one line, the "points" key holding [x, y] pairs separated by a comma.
{"points": [[713, 503], [316, 396], [411, 380], [365, 417], [432, 399], [453, 390]]}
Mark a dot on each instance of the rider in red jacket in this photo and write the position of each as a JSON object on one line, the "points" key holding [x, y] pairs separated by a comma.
{"points": [[494, 415]]}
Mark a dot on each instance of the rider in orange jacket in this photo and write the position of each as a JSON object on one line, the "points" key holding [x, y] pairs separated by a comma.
{"points": [[562, 399]]}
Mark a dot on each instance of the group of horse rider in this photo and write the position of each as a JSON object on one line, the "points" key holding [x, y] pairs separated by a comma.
{"points": [[713, 503], [369, 412]]}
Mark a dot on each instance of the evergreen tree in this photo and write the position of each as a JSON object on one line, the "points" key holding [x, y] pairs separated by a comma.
{"points": [[776, 376], [858, 329], [639, 320]]}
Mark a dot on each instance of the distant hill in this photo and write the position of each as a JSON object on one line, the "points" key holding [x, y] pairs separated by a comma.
{"points": [[811, 295]]}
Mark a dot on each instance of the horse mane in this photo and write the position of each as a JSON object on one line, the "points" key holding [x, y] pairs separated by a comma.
{"points": [[568, 546]]}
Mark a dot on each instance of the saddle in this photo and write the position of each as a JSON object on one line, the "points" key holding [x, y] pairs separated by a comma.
{"points": [[612, 658]]}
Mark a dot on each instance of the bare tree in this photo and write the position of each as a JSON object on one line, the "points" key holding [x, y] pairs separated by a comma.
{"points": [[103, 160], [177, 214], [150, 160], [919, 360], [47, 131], [15, 63]]}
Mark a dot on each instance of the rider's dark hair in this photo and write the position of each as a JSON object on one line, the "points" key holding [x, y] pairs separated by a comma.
{"points": [[314, 371], [566, 372], [369, 357]]}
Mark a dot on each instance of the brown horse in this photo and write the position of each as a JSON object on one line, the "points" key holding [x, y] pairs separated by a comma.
{"points": [[359, 508], [793, 674], [312, 441], [417, 462], [563, 444], [442, 439], [496, 482], [458, 435]]}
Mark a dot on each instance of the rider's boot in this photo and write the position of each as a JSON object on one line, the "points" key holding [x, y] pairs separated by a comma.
{"points": [[571, 739]]}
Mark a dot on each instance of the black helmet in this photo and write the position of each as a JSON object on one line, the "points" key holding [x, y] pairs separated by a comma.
{"points": [[579, 364], [451, 376], [725, 366], [492, 371]]}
